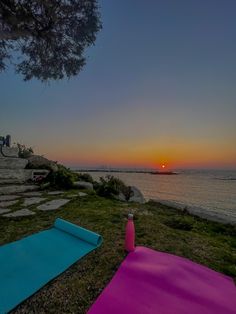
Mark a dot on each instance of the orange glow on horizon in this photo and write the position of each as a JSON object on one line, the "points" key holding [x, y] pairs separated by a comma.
{"points": [[178, 155]]}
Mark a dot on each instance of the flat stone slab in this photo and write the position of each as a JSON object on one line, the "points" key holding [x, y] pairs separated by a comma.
{"points": [[20, 213], [33, 200], [15, 189], [8, 203], [8, 197], [52, 205], [4, 210], [32, 194], [55, 192], [82, 194], [72, 195]]}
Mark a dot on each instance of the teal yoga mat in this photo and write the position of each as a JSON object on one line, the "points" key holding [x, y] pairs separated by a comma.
{"points": [[28, 264]]}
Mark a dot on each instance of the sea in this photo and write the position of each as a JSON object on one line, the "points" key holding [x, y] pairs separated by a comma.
{"points": [[208, 193]]}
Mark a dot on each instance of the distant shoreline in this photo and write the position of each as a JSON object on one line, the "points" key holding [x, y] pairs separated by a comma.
{"points": [[128, 171]]}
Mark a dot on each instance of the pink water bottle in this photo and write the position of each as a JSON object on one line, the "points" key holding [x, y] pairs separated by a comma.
{"points": [[130, 234]]}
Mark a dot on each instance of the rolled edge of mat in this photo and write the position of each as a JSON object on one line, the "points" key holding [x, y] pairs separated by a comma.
{"points": [[79, 232]]}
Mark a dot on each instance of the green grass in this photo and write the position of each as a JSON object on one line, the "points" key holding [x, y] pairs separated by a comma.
{"points": [[157, 226]]}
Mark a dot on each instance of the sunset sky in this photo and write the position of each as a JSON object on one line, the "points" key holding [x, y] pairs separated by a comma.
{"points": [[159, 88]]}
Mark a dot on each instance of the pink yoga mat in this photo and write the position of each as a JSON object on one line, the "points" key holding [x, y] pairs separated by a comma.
{"points": [[151, 282]]}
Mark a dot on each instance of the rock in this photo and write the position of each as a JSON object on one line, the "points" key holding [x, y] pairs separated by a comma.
{"points": [[4, 210], [8, 203], [20, 213], [15, 176], [8, 197], [81, 194], [33, 200], [13, 163], [137, 196], [83, 185], [40, 162], [29, 194], [12, 189], [52, 205], [120, 197], [9, 152], [72, 195], [55, 192]]}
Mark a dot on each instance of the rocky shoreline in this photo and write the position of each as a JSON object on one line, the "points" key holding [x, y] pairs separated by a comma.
{"points": [[198, 211]]}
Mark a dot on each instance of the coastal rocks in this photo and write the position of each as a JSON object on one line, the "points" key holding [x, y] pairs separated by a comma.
{"points": [[135, 196], [52, 205], [83, 185], [40, 162], [120, 197]]}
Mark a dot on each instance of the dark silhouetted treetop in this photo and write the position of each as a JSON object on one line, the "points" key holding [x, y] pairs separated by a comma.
{"points": [[48, 38]]}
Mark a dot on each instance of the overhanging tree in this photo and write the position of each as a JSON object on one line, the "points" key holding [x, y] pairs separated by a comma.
{"points": [[47, 37]]}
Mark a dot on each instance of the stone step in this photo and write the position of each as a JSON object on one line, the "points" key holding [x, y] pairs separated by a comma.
{"points": [[9, 176], [13, 163], [9, 151], [12, 189]]}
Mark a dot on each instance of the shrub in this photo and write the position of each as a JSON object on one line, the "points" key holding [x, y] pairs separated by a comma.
{"points": [[110, 186], [24, 152], [63, 178], [84, 177]]}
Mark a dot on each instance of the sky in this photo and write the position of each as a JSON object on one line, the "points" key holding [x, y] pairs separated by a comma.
{"points": [[159, 87]]}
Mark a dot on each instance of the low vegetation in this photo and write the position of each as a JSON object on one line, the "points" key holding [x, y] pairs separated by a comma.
{"points": [[64, 178], [84, 177], [24, 151], [157, 226], [110, 186]]}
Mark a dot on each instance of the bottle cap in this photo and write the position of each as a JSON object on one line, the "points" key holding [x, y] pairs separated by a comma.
{"points": [[130, 216]]}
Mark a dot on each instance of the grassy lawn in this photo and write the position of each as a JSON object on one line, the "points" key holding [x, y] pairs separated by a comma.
{"points": [[157, 226]]}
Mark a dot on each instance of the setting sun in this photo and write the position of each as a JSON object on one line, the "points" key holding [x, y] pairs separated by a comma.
{"points": [[163, 166]]}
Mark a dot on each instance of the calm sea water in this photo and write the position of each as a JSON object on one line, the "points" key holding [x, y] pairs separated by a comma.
{"points": [[211, 194]]}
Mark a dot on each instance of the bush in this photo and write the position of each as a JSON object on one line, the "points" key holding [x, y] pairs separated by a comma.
{"points": [[110, 186], [63, 178], [84, 177], [24, 152]]}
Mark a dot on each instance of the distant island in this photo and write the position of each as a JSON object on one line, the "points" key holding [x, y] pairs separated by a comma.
{"points": [[128, 171], [164, 172]]}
